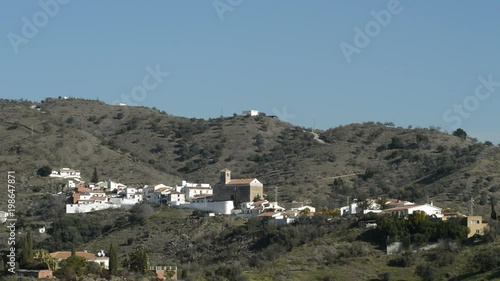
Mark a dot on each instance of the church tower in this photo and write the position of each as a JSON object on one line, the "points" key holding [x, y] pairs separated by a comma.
{"points": [[225, 176]]}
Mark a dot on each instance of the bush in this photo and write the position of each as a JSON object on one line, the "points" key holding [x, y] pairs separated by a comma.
{"points": [[44, 171], [405, 260], [386, 276], [485, 260], [426, 271]]}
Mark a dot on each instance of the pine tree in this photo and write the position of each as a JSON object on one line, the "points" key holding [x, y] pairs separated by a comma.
{"points": [[95, 176], [113, 259]]}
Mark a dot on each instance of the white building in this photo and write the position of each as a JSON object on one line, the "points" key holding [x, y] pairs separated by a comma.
{"points": [[251, 112], [66, 173], [303, 208], [259, 207], [372, 206], [192, 190], [403, 211], [89, 207], [175, 198], [99, 258], [220, 207], [112, 186]]}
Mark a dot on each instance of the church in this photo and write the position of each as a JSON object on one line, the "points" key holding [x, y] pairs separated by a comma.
{"points": [[237, 190]]}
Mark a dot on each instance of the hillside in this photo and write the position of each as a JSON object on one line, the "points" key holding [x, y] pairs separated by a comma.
{"points": [[139, 145]]}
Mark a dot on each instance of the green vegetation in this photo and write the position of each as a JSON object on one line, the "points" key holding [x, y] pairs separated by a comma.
{"points": [[137, 145], [44, 171]]}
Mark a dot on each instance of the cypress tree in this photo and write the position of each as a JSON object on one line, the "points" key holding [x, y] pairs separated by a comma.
{"points": [[25, 253], [95, 176], [113, 259], [30, 246]]}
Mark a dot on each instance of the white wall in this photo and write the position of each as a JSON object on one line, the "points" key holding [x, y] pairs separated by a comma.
{"points": [[86, 208], [223, 207]]}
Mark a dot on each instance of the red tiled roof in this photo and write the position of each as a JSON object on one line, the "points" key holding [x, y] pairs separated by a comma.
{"points": [[267, 214], [65, 255], [240, 181]]}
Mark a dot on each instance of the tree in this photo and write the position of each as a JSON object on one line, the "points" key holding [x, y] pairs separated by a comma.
{"points": [[426, 271], [95, 176], [113, 259], [137, 261], [30, 245], [46, 259], [460, 133], [73, 248], [44, 171], [25, 256], [72, 266], [141, 213], [396, 143]]}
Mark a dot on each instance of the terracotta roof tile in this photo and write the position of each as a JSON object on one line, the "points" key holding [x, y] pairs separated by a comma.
{"points": [[267, 214], [240, 181], [65, 255]]}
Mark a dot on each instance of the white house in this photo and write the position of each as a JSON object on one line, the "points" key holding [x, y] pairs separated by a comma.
{"points": [[203, 198], [259, 207], [303, 208], [175, 198], [112, 186], [192, 190], [403, 211], [372, 206], [99, 258], [66, 173], [251, 112]]}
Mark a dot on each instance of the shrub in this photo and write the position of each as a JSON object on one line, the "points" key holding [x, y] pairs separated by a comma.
{"points": [[405, 260], [426, 271], [386, 276], [485, 260], [44, 171]]}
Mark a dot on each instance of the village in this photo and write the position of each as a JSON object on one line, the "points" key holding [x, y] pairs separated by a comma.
{"points": [[240, 198]]}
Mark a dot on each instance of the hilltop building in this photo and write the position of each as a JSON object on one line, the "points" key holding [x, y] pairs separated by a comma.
{"points": [[237, 190]]}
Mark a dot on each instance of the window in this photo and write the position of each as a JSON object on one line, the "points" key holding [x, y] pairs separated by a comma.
{"points": [[474, 222], [478, 231]]}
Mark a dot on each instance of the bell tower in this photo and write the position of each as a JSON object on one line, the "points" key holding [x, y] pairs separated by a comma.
{"points": [[225, 176]]}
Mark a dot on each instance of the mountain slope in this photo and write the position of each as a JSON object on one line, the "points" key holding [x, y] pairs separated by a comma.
{"points": [[139, 145]]}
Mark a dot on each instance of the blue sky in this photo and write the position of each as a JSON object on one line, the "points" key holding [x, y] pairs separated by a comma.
{"points": [[279, 57]]}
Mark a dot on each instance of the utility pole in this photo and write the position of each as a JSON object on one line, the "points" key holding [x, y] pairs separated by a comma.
{"points": [[276, 194], [471, 206]]}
